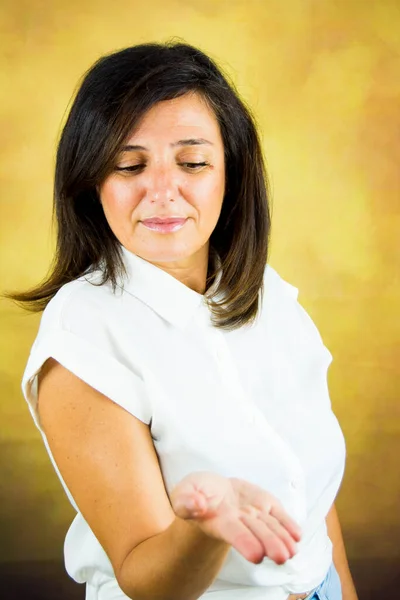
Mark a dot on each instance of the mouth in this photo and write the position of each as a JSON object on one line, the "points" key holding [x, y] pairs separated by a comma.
{"points": [[164, 225]]}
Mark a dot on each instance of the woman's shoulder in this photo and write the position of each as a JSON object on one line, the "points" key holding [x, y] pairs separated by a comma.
{"points": [[79, 299], [289, 315], [276, 285], [77, 330]]}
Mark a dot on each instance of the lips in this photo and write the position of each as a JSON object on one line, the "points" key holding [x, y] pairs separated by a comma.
{"points": [[167, 225], [166, 221]]}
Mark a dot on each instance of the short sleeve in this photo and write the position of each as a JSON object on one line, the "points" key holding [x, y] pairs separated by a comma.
{"points": [[76, 332], [303, 350], [295, 320]]}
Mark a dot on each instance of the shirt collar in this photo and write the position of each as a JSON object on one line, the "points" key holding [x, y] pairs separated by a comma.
{"points": [[170, 298]]}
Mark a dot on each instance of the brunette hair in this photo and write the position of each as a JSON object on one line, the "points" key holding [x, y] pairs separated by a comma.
{"points": [[114, 95]]}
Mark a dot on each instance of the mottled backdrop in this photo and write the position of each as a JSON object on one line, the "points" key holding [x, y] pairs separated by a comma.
{"points": [[323, 78]]}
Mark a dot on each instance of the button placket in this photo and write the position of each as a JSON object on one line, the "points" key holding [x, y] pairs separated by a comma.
{"points": [[231, 379], [256, 417]]}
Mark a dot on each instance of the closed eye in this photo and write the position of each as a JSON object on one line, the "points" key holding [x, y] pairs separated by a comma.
{"points": [[189, 165], [131, 169], [192, 165]]}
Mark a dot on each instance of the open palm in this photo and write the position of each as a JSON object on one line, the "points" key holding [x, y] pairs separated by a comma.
{"points": [[239, 513]]}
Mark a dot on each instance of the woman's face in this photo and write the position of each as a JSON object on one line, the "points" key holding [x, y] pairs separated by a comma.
{"points": [[172, 167]]}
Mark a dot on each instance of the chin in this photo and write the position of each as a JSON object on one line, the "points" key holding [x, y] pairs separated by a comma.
{"points": [[165, 254]]}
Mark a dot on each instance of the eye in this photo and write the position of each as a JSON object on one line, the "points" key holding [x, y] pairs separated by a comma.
{"points": [[130, 169], [193, 165]]}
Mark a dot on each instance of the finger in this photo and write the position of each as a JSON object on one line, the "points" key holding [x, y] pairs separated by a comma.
{"points": [[189, 505], [287, 522], [280, 532], [271, 505], [275, 526], [273, 546], [240, 537]]}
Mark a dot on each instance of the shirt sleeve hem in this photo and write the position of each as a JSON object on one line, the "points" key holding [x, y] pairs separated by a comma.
{"points": [[102, 372]]}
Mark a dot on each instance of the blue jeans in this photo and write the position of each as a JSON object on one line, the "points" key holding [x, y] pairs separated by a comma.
{"points": [[329, 589]]}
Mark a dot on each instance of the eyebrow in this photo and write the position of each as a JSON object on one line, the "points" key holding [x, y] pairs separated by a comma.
{"points": [[188, 142]]}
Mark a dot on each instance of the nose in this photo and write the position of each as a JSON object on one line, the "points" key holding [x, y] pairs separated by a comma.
{"points": [[161, 187]]}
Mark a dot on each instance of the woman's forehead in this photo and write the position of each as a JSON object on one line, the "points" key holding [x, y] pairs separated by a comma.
{"points": [[187, 117]]}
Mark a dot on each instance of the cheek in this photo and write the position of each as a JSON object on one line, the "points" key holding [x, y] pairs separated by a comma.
{"points": [[212, 198], [208, 193], [118, 200]]}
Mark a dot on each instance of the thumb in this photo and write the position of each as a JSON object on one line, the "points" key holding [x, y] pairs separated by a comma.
{"points": [[189, 505]]}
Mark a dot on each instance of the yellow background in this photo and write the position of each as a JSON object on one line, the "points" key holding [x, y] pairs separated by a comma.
{"points": [[323, 79]]}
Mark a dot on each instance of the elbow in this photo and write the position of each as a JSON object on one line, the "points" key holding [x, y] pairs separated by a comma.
{"points": [[151, 590], [136, 586]]}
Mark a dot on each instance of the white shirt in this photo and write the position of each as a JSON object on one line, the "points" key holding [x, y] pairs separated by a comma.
{"points": [[251, 403]]}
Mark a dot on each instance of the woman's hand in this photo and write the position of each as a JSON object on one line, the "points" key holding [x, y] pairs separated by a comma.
{"points": [[239, 513]]}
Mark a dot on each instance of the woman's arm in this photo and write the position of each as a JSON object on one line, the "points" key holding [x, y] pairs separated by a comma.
{"points": [[108, 462], [339, 555]]}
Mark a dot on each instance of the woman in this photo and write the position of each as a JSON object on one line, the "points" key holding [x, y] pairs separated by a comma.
{"points": [[179, 386]]}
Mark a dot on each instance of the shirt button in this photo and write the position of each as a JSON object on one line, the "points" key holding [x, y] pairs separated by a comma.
{"points": [[295, 484]]}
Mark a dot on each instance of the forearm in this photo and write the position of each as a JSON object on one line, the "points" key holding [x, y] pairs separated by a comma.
{"points": [[339, 555], [179, 564]]}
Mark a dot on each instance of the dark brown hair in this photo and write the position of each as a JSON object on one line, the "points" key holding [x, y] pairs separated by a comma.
{"points": [[114, 95]]}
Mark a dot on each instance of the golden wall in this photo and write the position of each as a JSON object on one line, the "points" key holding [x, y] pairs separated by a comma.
{"points": [[323, 78]]}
